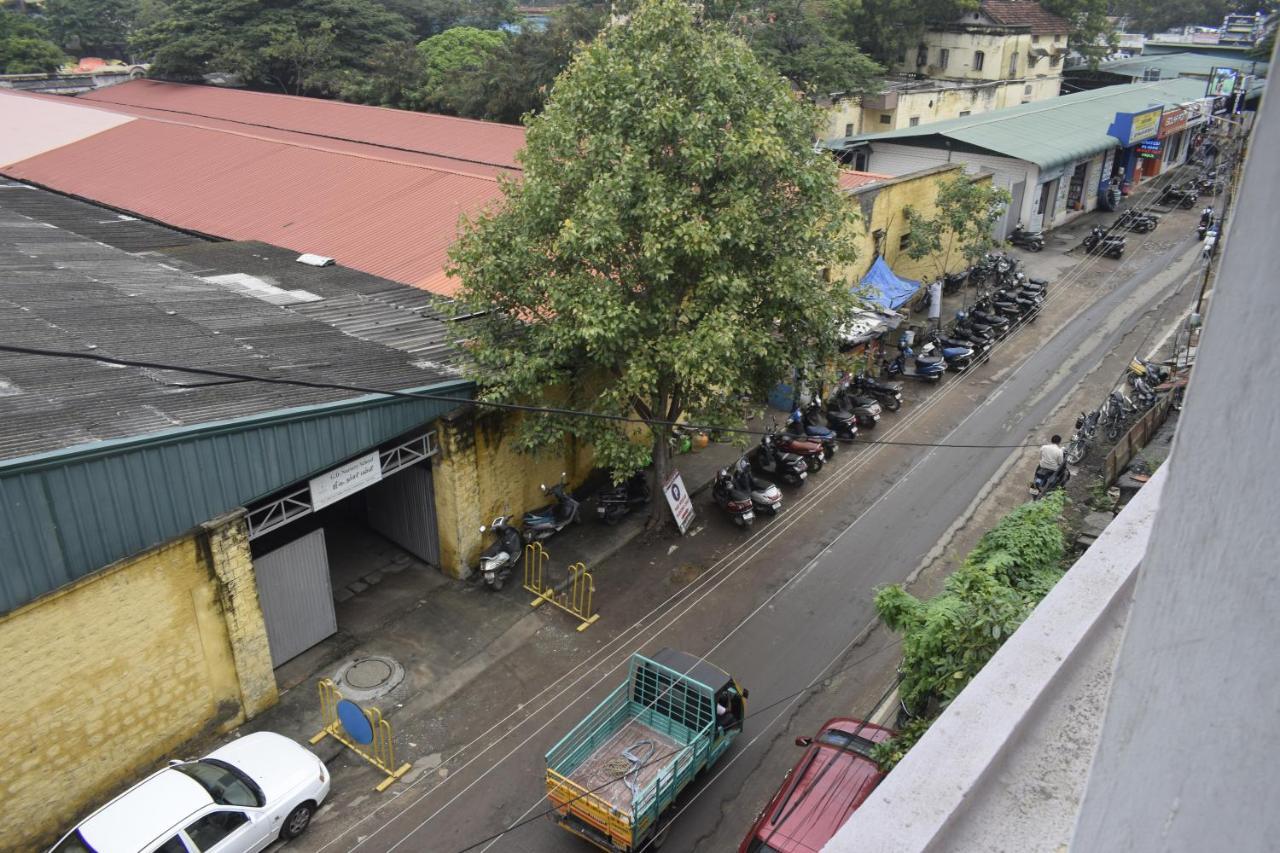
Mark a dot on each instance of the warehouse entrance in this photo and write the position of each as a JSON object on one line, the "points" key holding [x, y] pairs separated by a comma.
{"points": [[323, 541]]}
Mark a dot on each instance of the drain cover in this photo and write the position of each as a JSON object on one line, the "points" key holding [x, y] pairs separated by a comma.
{"points": [[368, 673], [368, 677]]}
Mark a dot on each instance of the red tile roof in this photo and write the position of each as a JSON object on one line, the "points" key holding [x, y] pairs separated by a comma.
{"points": [[389, 207], [851, 180], [1022, 13]]}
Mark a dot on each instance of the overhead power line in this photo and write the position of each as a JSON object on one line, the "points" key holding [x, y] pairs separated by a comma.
{"points": [[445, 398]]}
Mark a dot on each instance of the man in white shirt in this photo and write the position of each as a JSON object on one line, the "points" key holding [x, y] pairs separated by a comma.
{"points": [[1052, 460]]}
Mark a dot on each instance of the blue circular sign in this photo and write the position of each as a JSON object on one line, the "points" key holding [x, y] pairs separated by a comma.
{"points": [[353, 719]]}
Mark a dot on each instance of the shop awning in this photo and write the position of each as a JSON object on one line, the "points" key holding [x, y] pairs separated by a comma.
{"points": [[888, 290]]}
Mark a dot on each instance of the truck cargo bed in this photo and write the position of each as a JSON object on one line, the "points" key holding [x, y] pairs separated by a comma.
{"points": [[607, 762]]}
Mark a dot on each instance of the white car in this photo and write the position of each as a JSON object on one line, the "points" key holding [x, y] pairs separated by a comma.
{"points": [[237, 799]]}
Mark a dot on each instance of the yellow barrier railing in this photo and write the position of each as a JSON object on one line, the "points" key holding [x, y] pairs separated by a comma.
{"points": [[576, 600], [379, 750]]}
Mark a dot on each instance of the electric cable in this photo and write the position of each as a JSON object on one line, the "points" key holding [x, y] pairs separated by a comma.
{"points": [[705, 586], [639, 766], [443, 398]]}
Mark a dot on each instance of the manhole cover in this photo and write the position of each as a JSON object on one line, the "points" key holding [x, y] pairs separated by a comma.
{"points": [[368, 677], [368, 673]]}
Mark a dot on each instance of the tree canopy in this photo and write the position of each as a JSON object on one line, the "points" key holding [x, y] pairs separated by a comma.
{"points": [[93, 27], [293, 46], [966, 213], [664, 252], [25, 46]]}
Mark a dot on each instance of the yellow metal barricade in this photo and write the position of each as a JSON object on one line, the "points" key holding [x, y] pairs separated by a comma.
{"points": [[576, 599], [380, 751]]}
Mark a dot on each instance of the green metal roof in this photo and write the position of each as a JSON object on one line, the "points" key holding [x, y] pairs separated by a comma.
{"points": [[1174, 65], [67, 513], [1053, 132]]}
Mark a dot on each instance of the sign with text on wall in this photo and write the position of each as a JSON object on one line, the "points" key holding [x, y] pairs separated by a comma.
{"points": [[1132, 128], [332, 486], [679, 501]]}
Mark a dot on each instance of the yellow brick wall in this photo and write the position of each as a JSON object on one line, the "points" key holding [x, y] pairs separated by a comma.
{"points": [[482, 474], [113, 674]]}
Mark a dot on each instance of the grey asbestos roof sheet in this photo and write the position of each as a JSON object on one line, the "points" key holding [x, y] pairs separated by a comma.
{"points": [[61, 290]]}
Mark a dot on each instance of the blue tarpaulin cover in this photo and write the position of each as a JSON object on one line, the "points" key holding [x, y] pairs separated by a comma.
{"points": [[890, 291]]}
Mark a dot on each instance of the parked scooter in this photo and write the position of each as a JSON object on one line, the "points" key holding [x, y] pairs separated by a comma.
{"points": [[772, 462], [733, 500], [1099, 242], [809, 450], [549, 520], [803, 427], [612, 505], [888, 394], [985, 313], [765, 496], [926, 367], [864, 408], [968, 329], [1032, 241], [957, 355], [843, 423], [500, 559]]}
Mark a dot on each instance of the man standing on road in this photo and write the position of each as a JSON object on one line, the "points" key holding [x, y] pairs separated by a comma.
{"points": [[1052, 460]]}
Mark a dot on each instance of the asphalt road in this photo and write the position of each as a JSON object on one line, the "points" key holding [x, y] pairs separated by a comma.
{"points": [[780, 609]]}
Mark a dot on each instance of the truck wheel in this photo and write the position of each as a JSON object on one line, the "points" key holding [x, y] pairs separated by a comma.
{"points": [[660, 837]]}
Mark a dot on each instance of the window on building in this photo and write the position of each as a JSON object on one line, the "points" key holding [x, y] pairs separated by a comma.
{"points": [[1035, 39], [1026, 90], [1013, 65], [964, 113], [848, 129], [922, 55], [943, 56], [885, 118], [978, 58], [914, 121]]}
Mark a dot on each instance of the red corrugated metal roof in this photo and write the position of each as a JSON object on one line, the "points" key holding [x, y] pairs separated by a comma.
{"points": [[465, 140], [851, 180], [391, 218], [1022, 13]]}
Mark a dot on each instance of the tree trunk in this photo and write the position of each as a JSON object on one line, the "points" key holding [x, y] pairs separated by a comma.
{"points": [[659, 512]]}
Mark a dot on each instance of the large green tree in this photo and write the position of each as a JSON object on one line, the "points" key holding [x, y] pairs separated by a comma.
{"points": [[25, 46], [1092, 34], [799, 40], [93, 27], [664, 252], [293, 46], [432, 17], [966, 211], [449, 59]]}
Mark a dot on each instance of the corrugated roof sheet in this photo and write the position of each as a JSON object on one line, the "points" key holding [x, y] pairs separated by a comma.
{"points": [[466, 140], [1025, 13], [391, 214], [62, 291], [851, 179], [1052, 132], [1172, 65], [32, 124]]}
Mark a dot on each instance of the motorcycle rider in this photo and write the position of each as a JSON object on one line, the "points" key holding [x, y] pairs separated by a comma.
{"points": [[1052, 461]]}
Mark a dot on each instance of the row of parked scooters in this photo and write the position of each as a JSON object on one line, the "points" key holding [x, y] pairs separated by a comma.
{"points": [[812, 435]]}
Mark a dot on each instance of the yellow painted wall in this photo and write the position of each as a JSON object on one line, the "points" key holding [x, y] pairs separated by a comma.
{"points": [[932, 105], [882, 207], [841, 114], [110, 676], [482, 474], [1044, 78]]}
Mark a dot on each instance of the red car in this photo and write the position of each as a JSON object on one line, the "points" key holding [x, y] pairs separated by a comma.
{"points": [[817, 796]]}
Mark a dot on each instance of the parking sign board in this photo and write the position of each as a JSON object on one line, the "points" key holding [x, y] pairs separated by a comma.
{"points": [[679, 501]]}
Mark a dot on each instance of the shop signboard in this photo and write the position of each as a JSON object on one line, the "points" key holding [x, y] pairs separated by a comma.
{"points": [[1172, 121], [1198, 111], [1149, 149], [332, 486], [1223, 82], [1132, 128]]}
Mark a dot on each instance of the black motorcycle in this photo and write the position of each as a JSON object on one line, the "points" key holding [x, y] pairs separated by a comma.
{"points": [[1184, 197], [887, 394], [1141, 223], [614, 504], [1099, 242]]}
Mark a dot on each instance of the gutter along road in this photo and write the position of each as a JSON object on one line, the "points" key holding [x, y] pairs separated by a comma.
{"points": [[781, 608]]}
